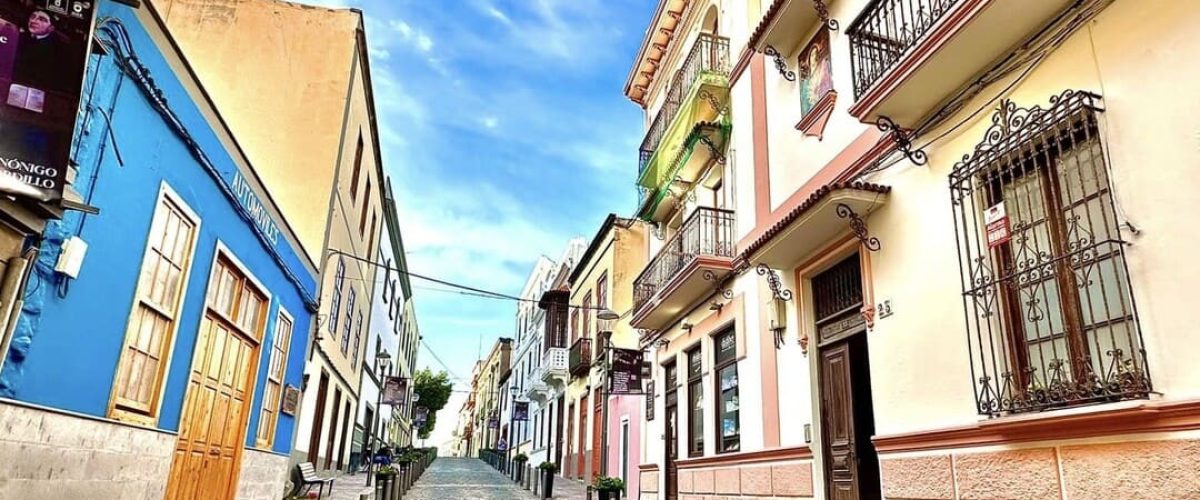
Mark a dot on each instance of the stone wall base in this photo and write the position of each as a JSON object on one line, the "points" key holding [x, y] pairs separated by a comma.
{"points": [[1129, 470], [264, 476], [51, 455], [765, 480]]}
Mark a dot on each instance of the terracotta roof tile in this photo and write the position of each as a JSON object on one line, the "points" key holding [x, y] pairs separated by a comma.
{"points": [[803, 207]]}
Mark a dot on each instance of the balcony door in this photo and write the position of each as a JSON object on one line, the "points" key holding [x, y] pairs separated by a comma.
{"points": [[847, 415]]}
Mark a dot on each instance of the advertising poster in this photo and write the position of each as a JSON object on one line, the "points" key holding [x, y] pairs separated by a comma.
{"points": [[521, 411], [626, 374], [394, 391], [44, 45]]}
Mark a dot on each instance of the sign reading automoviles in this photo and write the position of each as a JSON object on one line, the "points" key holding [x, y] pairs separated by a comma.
{"points": [[43, 52]]}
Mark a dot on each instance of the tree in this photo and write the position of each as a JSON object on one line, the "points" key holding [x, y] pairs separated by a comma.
{"points": [[434, 392]]}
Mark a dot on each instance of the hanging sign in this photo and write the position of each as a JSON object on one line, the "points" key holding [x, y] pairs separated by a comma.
{"points": [[44, 45], [650, 400], [625, 374], [422, 415], [521, 411], [394, 391], [998, 229]]}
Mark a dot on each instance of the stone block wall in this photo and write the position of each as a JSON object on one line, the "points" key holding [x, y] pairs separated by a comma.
{"points": [[54, 455], [264, 475], [787, 480], [1130, 470]]}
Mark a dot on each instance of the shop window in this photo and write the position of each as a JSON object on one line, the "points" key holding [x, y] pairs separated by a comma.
{"points": [[728, 405], [273, 392]]}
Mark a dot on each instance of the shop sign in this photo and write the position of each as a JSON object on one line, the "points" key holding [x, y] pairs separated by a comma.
{"points": [[521, 411], [291, 400], [44, 45]]}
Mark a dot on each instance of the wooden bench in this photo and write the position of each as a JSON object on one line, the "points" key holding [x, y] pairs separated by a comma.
{"points": [[305, 475]]}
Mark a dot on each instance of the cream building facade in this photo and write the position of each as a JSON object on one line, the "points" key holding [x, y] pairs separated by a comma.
{"points": [[958, 274], [488, 398], [310, 67]]}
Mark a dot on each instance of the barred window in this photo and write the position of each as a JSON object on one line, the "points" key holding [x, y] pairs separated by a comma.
{"points": [[1046, 290]]}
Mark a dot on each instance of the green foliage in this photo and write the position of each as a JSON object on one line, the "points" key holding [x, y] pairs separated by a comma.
{"points": [[435, 392], [550, 466], [521, 457], [605, 483]]}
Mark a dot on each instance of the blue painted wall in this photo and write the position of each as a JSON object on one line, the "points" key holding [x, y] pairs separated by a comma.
{"points": [[70, 334]]}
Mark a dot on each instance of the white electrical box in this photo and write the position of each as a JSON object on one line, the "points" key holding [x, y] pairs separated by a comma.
{"points": [[71, 258]]}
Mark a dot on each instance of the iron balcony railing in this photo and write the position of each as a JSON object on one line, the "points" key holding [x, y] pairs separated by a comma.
{"points": [[707, 232], [710, 54], [581, 357], [885, 32]]}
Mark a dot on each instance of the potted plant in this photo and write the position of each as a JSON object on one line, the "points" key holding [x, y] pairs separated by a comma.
{"points": [[610, 488], [548, 469], [519, 466]]}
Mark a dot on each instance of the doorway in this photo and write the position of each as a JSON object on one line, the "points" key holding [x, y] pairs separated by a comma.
{"points": [[331, 443], [847, 413], [314, 439], [212, 429], [671, 444]]}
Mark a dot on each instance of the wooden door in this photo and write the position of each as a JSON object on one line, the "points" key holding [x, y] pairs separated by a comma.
{"points": [[597, 429], [345, 432], [582, 442], [333, 429], [671, 451], [566, 471], [314, 440], [837, 423], [212, 429]]}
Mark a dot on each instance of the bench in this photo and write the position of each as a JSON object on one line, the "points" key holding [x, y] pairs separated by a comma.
{"points": [[305, 475]]}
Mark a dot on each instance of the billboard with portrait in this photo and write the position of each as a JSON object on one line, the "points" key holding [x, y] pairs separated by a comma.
{"points": [[521, 411], [44, 45], [625, 375]]}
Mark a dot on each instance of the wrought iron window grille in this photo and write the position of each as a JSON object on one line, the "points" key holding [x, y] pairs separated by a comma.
{"points": [[1047, 298]]}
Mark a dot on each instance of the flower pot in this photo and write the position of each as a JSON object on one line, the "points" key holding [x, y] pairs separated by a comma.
{"points": [[610, 495], [547, 484]]}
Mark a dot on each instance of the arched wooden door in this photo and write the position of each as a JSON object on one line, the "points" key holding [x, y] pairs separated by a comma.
{"points": [[212, 429]]}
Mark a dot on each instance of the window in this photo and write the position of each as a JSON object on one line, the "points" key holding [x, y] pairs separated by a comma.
{"points": [[371, 245], [349, 321], [357, 339], [358, 152], [728, 406], [362, 219], [339, 279], [695, 403], [1048, 305], [574, 325], [387, 280], [152, 322], [275, 371], [587, 316]]}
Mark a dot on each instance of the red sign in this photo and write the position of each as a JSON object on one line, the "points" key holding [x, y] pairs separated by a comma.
{"points": [[998, 229]]}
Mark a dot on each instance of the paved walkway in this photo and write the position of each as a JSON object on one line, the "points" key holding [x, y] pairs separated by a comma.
{"points": [[465, 479]]}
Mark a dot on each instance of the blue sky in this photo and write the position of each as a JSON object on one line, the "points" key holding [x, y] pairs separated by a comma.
{"points": [[505, 133]]}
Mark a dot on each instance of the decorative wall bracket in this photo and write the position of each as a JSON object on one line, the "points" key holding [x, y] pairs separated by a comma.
{"points": [[859, 227], [774, 283], [902, 139], [718, 156], [780, 64], [713, 102], [720, 288], [823, 13]]}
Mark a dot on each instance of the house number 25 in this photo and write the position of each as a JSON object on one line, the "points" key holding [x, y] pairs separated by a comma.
{"points": [[883, 309]]}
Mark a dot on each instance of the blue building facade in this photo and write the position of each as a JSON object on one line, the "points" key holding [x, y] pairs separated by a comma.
{"points": [[173, 359]]}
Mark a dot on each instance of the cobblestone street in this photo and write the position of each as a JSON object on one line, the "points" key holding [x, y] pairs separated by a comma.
{"points": [[464, 479]]}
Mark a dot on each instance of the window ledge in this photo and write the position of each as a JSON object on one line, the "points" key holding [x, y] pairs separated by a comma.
{"points": [[1128, 417], [748, 457]]}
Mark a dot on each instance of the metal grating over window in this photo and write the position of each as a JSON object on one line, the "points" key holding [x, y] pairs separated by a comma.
{"points": [[1046, 292]]}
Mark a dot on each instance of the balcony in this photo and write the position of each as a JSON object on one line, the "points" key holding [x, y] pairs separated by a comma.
{"points": [[554, 367], [689, 265], [581, 357], [908, 56], [536, 390], [699, 93]]}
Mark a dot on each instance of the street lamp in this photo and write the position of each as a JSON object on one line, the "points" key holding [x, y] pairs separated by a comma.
{"points": [[512, 414], [608, 315], [382, 362]]}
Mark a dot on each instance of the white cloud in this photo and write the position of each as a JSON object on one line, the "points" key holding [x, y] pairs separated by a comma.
{"points": [[415, 37], [490, 122]]}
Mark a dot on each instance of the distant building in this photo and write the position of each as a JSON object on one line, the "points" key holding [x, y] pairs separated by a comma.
{"points": [[178, 350]]}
